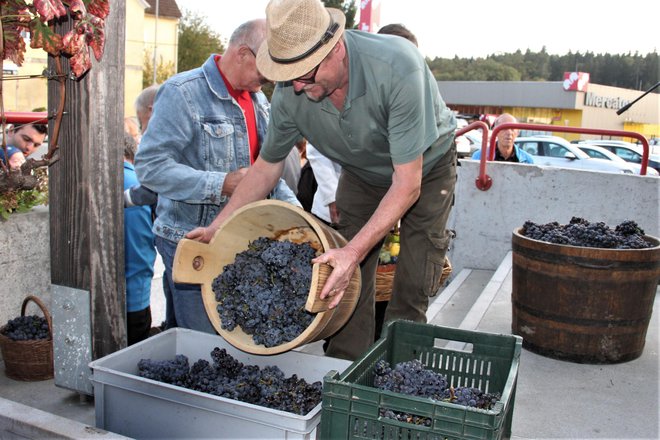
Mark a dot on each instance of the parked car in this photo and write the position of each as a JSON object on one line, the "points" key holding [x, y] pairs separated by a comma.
{"points": [[627, 151], [469, 142], [558, 152], [598, 152]]}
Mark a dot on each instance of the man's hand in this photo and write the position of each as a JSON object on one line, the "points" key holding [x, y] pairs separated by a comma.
{"points": [[202, 234], [344, 262], [232, 180]]}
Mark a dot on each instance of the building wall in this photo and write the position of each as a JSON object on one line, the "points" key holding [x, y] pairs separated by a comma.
{"points": [[27, 94], [549, 103], [167, 33], [135, 47]]}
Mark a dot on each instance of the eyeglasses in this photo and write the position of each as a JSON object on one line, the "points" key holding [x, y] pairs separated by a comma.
{"points": [[309, 78]]}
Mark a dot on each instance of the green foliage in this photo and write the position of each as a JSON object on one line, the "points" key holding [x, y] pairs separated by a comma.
{"points": [[24, 200], [163, 70], [349, 8], [196, 41], [632, 71]]}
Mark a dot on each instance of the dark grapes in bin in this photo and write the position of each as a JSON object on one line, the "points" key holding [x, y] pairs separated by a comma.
{"points": [[413, 379], [230, 378], [582, 233]]}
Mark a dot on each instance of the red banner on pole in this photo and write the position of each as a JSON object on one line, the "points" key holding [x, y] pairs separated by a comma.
{"points": [[369, 15]]}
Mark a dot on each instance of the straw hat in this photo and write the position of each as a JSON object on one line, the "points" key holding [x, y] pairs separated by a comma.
{"points": [[300, 34]]}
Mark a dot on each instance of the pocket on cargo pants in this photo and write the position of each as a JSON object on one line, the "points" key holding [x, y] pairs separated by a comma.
{"points": [[435, 262]]}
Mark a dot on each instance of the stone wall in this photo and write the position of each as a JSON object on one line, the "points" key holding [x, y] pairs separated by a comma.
{"points": [[24, 262]]}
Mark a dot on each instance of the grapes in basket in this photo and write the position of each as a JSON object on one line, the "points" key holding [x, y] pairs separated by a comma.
{"points": [[27, 328]]}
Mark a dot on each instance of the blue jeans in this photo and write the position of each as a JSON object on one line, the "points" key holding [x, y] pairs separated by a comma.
{"points": [[188, 306]]}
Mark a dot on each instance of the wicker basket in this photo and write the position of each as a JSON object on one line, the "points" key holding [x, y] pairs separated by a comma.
{"points": [[29, 360], [385, 278]]}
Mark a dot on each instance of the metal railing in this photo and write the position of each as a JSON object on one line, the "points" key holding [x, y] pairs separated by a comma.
{"points": [[26, 117], [487, 181], [484, 181]]}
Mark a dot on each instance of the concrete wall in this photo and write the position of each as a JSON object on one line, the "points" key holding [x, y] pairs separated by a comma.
{"points": [[24, 262], [484, 220]]}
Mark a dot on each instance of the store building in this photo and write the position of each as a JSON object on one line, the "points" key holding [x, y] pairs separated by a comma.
{"points": [[574, 102]]}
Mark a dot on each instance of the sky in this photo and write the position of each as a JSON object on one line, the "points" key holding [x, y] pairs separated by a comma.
{"points": [[477, 28]]}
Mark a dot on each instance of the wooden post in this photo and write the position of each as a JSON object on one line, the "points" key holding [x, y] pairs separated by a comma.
{"points": [[86, 209]]}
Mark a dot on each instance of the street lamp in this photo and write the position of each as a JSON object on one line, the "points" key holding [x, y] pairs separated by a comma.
{"points": [[155, 42]]}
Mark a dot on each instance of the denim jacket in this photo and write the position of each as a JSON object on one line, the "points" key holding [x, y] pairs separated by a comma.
{"points": [[196, 135]]}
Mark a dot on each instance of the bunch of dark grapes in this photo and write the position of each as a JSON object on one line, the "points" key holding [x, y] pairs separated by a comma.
{"points": [[265, 289], [173, 371], [230, 378], [27, 328], [580, 232], [413, 379]]}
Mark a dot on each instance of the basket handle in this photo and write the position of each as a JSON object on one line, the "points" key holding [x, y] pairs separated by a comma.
{"points": [[43, 308]]}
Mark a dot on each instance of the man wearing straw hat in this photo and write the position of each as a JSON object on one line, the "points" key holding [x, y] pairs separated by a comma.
{"points": [[370, 103]]}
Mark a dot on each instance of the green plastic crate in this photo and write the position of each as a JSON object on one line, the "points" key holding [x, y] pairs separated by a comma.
{"points": [[350, 408]]}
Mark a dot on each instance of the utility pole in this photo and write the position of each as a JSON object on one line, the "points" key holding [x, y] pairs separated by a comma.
{"points": [[156, 42]]}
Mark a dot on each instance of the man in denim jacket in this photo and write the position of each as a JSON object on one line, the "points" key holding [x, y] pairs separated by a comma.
{"points": [[206, 129]]}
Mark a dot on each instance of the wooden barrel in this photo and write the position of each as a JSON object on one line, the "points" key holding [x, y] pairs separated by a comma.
{"points": [[200, 263], [580, 304]]}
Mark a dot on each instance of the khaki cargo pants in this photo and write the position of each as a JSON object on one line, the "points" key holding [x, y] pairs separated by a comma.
{"points": [[424, 243]]}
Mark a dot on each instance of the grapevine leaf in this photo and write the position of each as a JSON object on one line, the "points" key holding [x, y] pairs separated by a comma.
{"points": [[77, 9], [44, 37], [73, 42], [100, 8], [15, 12], [49, 9], [14, 44], [80, 62], [96, 36]]}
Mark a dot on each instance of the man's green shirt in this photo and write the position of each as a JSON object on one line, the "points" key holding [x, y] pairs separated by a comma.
{"points": [[393, 113]]}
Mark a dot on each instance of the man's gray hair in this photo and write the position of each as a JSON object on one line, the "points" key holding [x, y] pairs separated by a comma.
{"points": [[130, 147], [146, 98], [251, 33]]}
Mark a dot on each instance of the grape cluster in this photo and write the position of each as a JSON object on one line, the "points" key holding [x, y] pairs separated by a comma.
{"points": [[26, 328], [413, 379], [265, 289], [580, 232], [230, 378]]}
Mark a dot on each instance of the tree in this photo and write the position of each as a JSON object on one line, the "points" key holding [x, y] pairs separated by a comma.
{"points": [[347, 6], [163, 70], [196, 41]]}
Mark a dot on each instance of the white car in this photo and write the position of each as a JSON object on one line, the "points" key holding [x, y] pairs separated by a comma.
{"points": [[597, 152], [558, 152], [626, 151], [469, 142]]}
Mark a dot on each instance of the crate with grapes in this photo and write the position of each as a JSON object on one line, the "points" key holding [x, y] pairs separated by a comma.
{"points": [[411, 385]]}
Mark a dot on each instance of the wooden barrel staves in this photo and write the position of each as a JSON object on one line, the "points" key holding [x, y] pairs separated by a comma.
{"points": [[582, 304]]}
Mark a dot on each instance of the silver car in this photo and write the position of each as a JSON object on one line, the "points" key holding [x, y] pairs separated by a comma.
{"points": [[597, 152], [558, 152]]}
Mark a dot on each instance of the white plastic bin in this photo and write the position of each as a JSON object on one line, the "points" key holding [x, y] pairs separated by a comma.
{"points": [[142, 408]]}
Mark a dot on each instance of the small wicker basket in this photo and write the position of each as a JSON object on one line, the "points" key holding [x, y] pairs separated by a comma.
{"points": [[29, 360], [385, 278]]}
